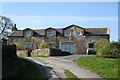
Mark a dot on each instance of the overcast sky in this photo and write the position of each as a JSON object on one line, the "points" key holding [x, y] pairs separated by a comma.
{"points": [[38, 15]]}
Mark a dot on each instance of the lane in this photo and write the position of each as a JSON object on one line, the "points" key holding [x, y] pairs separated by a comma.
{"points": [[75, 69], [58, 64], [47, 69], [71, 58]]}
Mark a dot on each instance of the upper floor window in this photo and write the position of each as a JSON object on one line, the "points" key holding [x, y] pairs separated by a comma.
{"points": [[67, 33], [77, 33], [27, 33], [49, 33]]}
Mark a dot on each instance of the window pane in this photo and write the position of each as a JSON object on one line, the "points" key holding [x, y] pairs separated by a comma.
{"points": [[27, 46], [67, 47], [77, 33], [67, 33], [30, 46], [71, 48], [63, 47], [27, 33], [49, 33]]}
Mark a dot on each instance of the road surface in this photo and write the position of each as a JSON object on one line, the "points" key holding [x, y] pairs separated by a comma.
{"points": [[53, 67]]}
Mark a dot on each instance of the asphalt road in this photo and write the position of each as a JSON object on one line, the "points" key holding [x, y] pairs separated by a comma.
{"points": [[53, 67]]}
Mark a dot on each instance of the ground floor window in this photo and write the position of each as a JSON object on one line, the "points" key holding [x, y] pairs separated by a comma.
{"points": [[68, 47], [27, 46]]}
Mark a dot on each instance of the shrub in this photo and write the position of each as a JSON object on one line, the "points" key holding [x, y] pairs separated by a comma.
{"points": [[19, 46], [106, 49], [43, 44], [114, 49], [102, 47]]}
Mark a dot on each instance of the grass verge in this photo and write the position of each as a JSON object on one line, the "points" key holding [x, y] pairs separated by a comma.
{"points": [[70, 75], [40, 56], [105, 67]]}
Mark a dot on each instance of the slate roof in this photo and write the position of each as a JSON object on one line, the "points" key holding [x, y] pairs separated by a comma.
{"points": [[40, 31], [17, 33], [88, 31], [95, 31]]}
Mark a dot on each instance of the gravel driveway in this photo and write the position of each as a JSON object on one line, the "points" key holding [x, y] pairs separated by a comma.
{"points": [[53, 67]]}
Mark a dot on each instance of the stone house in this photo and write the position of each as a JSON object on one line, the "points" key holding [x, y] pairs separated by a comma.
{"points": [[73, 38]]}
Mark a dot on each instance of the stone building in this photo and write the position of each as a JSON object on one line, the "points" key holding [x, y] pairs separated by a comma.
{"points": [[73, 38]]}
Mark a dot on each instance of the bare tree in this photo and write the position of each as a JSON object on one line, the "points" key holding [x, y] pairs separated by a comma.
{"points": [[6, 26]]}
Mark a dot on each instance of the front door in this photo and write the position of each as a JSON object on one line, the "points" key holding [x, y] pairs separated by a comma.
{"points": [[68, 47]]}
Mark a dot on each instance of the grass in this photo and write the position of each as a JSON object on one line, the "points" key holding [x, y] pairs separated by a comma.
{"points": [[21, 68], [105, 67], [70, 75], [40, 56]]}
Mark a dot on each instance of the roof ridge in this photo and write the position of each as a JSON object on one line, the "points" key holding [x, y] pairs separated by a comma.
{"points": [[94, 28]]}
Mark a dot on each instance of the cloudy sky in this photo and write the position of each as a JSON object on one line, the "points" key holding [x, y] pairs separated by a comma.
{"points": [[38, 15]]}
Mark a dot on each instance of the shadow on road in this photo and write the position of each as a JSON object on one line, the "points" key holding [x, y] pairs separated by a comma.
{"points": [[44, 70]]}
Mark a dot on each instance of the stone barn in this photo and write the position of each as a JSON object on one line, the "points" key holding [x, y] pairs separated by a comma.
{"points": [[73, 38]]}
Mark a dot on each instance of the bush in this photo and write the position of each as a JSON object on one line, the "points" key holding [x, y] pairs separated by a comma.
{"points": [[101, 46], [106, 49], [19, 46], [114, 49], [43, 44]]}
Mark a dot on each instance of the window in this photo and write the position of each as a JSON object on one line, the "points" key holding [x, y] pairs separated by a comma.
{"points": [[27, 46], [49, 33], [77, 33], [27, 34], [67, 34]]}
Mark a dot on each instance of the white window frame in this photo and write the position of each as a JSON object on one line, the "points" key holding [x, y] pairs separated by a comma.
{"points": [[50, 34], [67, 35]]}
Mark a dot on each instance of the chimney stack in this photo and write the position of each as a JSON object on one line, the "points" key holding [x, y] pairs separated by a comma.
{"points": [[14, 28]]}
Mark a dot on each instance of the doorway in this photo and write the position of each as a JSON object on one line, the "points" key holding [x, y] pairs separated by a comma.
{"points": [[68, 47]]}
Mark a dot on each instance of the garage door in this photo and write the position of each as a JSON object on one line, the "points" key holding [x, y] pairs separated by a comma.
{"points": [[68, 47]]}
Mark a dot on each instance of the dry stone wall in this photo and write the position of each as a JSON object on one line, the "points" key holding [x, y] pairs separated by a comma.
{"points": [[23, 53], [40, 52]]}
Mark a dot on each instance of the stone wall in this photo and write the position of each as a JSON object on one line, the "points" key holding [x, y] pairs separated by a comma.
{"points": [[40, 52], [23, 53], [48, 52], [80, 42]]}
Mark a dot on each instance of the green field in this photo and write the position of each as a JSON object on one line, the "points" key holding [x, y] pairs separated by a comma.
{"points": [[105, 67]]}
